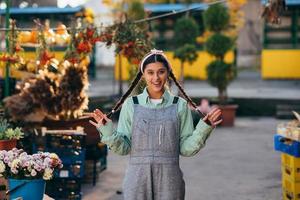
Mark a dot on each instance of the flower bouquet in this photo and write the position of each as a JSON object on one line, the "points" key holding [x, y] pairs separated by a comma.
{"points": [[27, 173]]}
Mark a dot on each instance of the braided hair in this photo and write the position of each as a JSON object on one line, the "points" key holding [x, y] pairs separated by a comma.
{"points": [[152, 58]]}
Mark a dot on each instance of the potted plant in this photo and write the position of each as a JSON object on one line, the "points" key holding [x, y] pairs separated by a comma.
{"points": [[219, 72], [9, 136], [27, 173]]}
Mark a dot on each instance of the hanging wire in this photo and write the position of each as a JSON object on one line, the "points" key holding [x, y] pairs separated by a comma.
{"points": [[136, 21]]}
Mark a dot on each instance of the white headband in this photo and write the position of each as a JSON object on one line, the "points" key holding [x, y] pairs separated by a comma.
{"points": [[154, 52]]}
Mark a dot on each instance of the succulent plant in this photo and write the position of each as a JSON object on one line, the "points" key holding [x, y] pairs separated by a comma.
{"points": [[7, 133]]}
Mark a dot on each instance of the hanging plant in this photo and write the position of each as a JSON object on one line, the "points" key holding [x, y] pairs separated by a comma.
{"points": [[131, 40], [11, 56]]}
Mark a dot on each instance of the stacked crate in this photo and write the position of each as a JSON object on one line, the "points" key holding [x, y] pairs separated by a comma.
{"points": [[69, 145], [287, 141]]}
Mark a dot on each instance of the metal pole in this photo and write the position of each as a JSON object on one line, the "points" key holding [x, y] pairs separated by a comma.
{"points": [[6, 89]]}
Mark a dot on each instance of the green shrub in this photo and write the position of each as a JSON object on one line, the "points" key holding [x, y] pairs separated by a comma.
{"points": [[218, 44], [186, 31], [219, 75], [216, 18]]}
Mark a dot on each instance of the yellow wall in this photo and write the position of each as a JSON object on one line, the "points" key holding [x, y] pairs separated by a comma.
{"points": [[280, 64], [197, 70]]}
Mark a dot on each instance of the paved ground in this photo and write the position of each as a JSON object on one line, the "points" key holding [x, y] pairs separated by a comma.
{"points": [[237, 163]]}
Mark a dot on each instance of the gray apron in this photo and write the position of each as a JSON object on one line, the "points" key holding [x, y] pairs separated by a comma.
{"points": [[153, 172]]}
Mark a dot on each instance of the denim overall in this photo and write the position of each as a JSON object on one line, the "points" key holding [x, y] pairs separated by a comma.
{"points": [[153, 172]]}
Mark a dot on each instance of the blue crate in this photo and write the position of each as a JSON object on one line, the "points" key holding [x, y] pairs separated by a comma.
{"points": [[71, 171], [61, 188], [286, 145]]}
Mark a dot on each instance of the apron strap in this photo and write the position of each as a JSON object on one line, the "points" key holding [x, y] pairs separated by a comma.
{"points": [[175, 100], [135, 100]]}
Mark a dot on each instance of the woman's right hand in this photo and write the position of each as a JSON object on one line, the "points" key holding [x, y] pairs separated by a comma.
{"points": [[100, 118]]}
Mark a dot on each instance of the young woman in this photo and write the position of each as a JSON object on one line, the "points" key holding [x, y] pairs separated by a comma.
{"points": [[155, 127]]}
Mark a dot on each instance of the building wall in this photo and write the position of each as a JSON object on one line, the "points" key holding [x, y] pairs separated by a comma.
{"points": [[249, 43], [104, 57]]}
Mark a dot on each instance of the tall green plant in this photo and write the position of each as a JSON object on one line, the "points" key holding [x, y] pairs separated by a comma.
{"points": [[219, 73], [186, 53], [216, 18], [186, 31]]}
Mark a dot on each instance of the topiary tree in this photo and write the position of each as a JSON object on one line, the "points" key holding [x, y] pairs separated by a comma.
{"points": [[186, 31], [219, 73], [186, 53]]}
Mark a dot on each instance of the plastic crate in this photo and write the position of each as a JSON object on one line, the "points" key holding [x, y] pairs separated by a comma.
{"points": [[69, 156], [63, 188], [290, 189], [62, 140], [290, 166], [71, 171], [286, 145]]}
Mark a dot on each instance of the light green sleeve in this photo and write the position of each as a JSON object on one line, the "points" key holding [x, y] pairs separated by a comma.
{"points": [[191, 140], [119, 140]]}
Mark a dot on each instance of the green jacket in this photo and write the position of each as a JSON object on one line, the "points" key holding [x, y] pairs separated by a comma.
{"points": [[191, 140]]}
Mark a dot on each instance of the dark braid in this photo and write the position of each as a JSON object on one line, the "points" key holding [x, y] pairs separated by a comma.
{"points": [[128, 92], [189, 100]]}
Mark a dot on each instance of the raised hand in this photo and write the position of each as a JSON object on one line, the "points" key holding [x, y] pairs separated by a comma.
{"points": [[214, 117], [99, 117]]}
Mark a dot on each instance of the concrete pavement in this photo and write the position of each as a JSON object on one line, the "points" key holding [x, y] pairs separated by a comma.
{"points": [[238, 163]]}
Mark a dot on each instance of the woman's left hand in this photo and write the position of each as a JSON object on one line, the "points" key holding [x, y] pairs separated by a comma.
{"points": [[213, 117]]}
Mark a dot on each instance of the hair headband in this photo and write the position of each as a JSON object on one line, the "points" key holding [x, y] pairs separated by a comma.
{"points": [[154, 52]]}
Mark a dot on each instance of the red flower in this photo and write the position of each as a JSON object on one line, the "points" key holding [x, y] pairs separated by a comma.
{"points": [[84, 47], [45, 57], [90, 32], [11, 59], [73, 60], [18, 48]]}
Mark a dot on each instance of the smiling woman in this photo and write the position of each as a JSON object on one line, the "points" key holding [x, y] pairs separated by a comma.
{"points": [[155, 76], [155, 127]]}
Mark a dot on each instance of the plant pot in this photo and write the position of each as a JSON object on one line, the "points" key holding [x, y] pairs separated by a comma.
{"points": [[27, 189], [8, 144], [228, 114]]}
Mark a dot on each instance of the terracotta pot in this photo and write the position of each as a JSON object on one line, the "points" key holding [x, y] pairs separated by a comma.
{"points": [[228, 114], [8, 144], [92, 135]]}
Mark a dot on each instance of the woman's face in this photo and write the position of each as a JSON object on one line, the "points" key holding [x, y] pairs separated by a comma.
{"points": [[155, 75]]}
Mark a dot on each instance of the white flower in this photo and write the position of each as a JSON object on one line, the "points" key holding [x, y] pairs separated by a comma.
{"points": [[53, 156], [47, 174], [15, 163], [2, 167], [6, 159], [14, 170], [33, 173]]}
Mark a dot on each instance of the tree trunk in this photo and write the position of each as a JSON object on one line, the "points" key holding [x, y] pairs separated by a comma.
{"points": [[181, 74], [222, 95]]}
